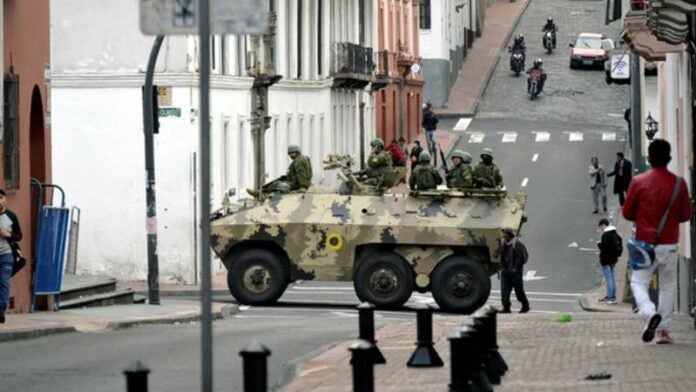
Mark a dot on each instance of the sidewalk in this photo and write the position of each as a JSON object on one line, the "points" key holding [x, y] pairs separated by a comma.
{"points": [[542, 354], [500, 21]]}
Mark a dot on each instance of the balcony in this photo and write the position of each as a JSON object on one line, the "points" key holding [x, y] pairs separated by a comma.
{"points": [[385, 64], [642, 41], [351, 65]]}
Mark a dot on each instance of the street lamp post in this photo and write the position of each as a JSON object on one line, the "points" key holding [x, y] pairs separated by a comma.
{"points": [[651, 127]]}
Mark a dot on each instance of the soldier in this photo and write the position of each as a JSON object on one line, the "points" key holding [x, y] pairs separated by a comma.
{"points": [[424, 177], [298, 178], [462, 175], [378, 163], [487, 173]]}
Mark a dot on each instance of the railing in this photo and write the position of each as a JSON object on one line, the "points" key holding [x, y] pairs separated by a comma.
{"points": [[385, 64], [349, 58]]}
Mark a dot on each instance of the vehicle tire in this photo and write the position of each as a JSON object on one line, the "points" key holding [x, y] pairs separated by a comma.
{"points": [[460, 285], [572, 64], [549, 49], [384, 280], [257, 276]]}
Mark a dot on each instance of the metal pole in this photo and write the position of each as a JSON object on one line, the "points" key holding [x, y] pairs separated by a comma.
{"points": [[636, 115], [206, 297], [151, 205]]}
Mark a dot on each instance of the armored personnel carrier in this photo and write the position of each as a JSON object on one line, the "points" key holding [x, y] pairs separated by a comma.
{"points": [[388, 244]]}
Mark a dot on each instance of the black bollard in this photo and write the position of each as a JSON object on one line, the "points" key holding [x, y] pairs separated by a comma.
{"points": [[479, 321], [464, 366], [362, 360], [492, 326], [366, 314], [425, 354], [477, 353], [136, 377], [254, 359]]}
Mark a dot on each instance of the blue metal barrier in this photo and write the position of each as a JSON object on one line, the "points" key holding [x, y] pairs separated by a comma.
{"points": [[49, 251]]}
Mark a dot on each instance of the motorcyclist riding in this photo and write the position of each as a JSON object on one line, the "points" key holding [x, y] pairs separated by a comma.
{"points": [[536, 72], [550, 26], [518, 47]]}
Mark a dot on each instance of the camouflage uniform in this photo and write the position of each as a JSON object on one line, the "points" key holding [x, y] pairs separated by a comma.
{"points": [[462, 175], [487, 175], [424, 176], [378, 164], [299, 175]]}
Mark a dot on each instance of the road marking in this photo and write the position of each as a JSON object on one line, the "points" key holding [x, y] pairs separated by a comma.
{"points": [[588, 249], [524, 182], [244, 307], [548, 293], [608, 136], [319, 288], [542, 137], [462, 124], [532, 299], [573, 245], [535, 157], [531, 275], [344, 314], [509, 137], [575, 136], [476, 137], [615, 114]]}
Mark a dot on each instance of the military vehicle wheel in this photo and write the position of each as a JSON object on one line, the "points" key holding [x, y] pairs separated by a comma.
{"points": [[460, 285], [384, 279], [257, 276]]}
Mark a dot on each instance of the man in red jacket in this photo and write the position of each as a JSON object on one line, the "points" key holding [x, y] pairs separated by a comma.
{"points": [[647, 200], [396, 153]]}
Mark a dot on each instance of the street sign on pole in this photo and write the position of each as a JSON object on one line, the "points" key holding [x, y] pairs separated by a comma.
{"points": [[181, 17]]}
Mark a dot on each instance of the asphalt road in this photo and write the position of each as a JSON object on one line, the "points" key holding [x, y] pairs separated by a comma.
{"points": [[543, 148]]}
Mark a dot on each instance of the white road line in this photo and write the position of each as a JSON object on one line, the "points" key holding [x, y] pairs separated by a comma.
{"points": [[524, 182], [476, 137], [575, 136], [608, 136], [615, 114], [542, 137], [547, 293], [509, 137], [535, 157], [319, 288], [532, 299], [462, 124]]}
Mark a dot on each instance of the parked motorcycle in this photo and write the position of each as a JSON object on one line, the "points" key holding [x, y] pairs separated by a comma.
{"points": [[548, 42], [517, 62]]}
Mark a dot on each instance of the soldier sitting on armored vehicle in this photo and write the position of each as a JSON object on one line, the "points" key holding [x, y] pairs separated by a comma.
{"points": [[298, 178], [424, 176], [378, 163], [487, 174], [462, 175]]}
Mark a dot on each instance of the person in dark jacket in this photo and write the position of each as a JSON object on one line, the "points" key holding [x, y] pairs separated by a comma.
{"points": [[623, 173], [429, 124], [513, 256], [9, 232], [610, 246], [415, 154]]}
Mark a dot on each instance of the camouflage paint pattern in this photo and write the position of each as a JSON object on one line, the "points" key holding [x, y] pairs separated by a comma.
{"points": [[322, 234]]}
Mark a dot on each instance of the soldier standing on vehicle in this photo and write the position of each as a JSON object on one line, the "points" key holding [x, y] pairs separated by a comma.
{"points": [[298, 177], [378, 163], [424, 177], [487, 174], [462, 175]]}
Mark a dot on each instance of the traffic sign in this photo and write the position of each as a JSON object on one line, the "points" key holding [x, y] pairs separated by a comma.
{"points": [[180, 17]]}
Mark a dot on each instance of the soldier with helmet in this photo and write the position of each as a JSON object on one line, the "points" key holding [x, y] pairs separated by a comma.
{"points": [[424, 176], [298, 177], [378, 163], [462, 175], [486, 173]]}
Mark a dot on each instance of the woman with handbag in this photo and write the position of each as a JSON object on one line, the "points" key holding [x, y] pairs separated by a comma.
{"points": [[10, 232]]}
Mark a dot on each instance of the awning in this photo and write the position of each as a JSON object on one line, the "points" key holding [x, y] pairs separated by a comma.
{"points": [[643, 41], [668, 20]]}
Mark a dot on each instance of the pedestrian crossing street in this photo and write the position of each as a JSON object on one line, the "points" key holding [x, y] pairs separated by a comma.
{"points": [[478, 137]]}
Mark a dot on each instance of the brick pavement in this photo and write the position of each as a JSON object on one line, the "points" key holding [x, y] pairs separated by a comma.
{"points": [[543, 355], [501, 18]]}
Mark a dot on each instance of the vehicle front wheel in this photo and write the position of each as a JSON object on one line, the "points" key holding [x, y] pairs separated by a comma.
{"points": [[385, 280], [460, 285], [573, 65], [257, 276]]}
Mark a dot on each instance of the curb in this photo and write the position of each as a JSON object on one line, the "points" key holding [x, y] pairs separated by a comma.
{"points": [[225, 311], [35, 333], [585, 305], [183, 293], [495, 65]]}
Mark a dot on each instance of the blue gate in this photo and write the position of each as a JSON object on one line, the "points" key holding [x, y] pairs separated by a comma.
{"points": [[51, 240]]}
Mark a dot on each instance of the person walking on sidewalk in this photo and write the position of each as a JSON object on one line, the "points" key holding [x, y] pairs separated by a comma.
{"points": [[598, 184], [610, 248], [651, 196], [513, 256], [622, 172], [9, 232], [429, 124]]}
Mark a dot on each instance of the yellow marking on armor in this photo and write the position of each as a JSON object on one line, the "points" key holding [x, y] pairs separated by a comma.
{"points": [[334, 241]]}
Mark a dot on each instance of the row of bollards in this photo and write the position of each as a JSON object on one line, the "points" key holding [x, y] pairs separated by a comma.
{"points": [[476, 364]]}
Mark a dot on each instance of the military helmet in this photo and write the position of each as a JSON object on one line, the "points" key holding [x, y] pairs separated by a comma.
{"points": [[424, 157], [463, 155], [294, 148], [487, 151], [377, 143]]}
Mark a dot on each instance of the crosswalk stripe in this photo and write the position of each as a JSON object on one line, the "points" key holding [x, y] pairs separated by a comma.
{"points": [[509, 137], [608, 136], [575, 136], [477, 137], [462, 124], [542, 137]]}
